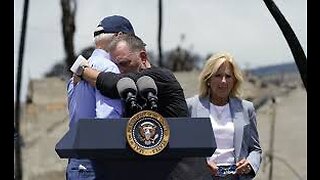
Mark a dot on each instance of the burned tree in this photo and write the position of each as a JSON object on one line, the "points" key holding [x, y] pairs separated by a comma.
{"points": [[291, 38], [69, 8]]}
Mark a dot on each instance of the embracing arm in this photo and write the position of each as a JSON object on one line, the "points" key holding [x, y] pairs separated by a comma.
{"points": [[105, 82], [90, 75]]}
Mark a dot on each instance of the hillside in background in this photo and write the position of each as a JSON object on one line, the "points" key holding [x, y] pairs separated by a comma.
{"points": [[275, 69]]}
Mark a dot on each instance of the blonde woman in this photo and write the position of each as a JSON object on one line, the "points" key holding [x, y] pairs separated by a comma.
{"points": [[233, 120]]}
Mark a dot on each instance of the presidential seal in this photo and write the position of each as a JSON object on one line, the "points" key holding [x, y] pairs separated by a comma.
{"points": [[147, 132]]}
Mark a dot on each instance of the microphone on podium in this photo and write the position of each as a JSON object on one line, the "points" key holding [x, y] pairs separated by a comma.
{"points": [[148, 90], [127, 90]]}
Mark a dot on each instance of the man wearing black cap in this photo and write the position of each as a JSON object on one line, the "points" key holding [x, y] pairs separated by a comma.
{"points": [[84, 101]]}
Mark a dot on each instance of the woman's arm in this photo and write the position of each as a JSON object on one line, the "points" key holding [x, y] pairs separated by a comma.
{"points": [[255, 153]]}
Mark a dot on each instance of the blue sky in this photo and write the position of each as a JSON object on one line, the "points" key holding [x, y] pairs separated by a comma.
{"points": [[244, 28]]}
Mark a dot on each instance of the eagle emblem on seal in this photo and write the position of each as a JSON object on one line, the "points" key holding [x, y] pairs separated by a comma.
{"points": [[147, 131]]}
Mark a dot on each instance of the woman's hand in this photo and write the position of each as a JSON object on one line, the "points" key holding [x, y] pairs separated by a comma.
{"points": [[243, 167], [212, 167]]}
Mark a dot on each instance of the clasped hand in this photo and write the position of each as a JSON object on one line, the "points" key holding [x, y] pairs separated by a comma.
{"points": [[242, 167]]}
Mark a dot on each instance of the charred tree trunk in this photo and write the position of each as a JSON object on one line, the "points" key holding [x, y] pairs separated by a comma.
{"points": [[292, 40], [159, 33], [68, 27], [18, 171]]}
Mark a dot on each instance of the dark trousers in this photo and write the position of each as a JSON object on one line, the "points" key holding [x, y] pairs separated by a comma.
{"points": [[228, 177], [155, 169], [80, 169]]}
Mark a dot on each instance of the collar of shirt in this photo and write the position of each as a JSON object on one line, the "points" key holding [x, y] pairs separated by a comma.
{"points": [[101, 52]]}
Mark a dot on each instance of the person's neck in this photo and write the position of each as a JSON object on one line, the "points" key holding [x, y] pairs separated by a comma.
{"points": [[219, 101], [102, 47]]}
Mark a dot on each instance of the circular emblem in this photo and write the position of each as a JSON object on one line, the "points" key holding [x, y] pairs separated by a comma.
{"points": [[147, 132]]}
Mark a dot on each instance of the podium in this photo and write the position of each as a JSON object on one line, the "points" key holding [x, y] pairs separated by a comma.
{"points": [[104, 140]]}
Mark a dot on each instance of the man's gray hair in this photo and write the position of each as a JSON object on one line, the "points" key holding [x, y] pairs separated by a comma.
{"points": [[134, 42], [101, 36]]}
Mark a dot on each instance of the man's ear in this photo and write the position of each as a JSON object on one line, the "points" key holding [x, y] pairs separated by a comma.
{"points": [[143, 56], [119, 33]]}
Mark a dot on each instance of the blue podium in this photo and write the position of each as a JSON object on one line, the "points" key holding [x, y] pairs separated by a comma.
{"points": [[191, 141]]}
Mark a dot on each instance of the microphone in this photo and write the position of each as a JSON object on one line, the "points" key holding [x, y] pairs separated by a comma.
{"points": [[127, 90], [148, 90]]}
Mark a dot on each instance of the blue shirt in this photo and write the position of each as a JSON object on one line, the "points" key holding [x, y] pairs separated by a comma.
{"points": [[84, 101]]}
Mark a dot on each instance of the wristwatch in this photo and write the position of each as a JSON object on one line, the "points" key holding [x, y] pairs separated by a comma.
{"points": [[81, 69]]}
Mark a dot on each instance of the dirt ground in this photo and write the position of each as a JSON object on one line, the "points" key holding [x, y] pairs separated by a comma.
{"points": [[290, 136], [43, 126]]}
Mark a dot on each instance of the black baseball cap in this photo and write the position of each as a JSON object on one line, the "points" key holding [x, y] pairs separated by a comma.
{"points": [[115, 24]]}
